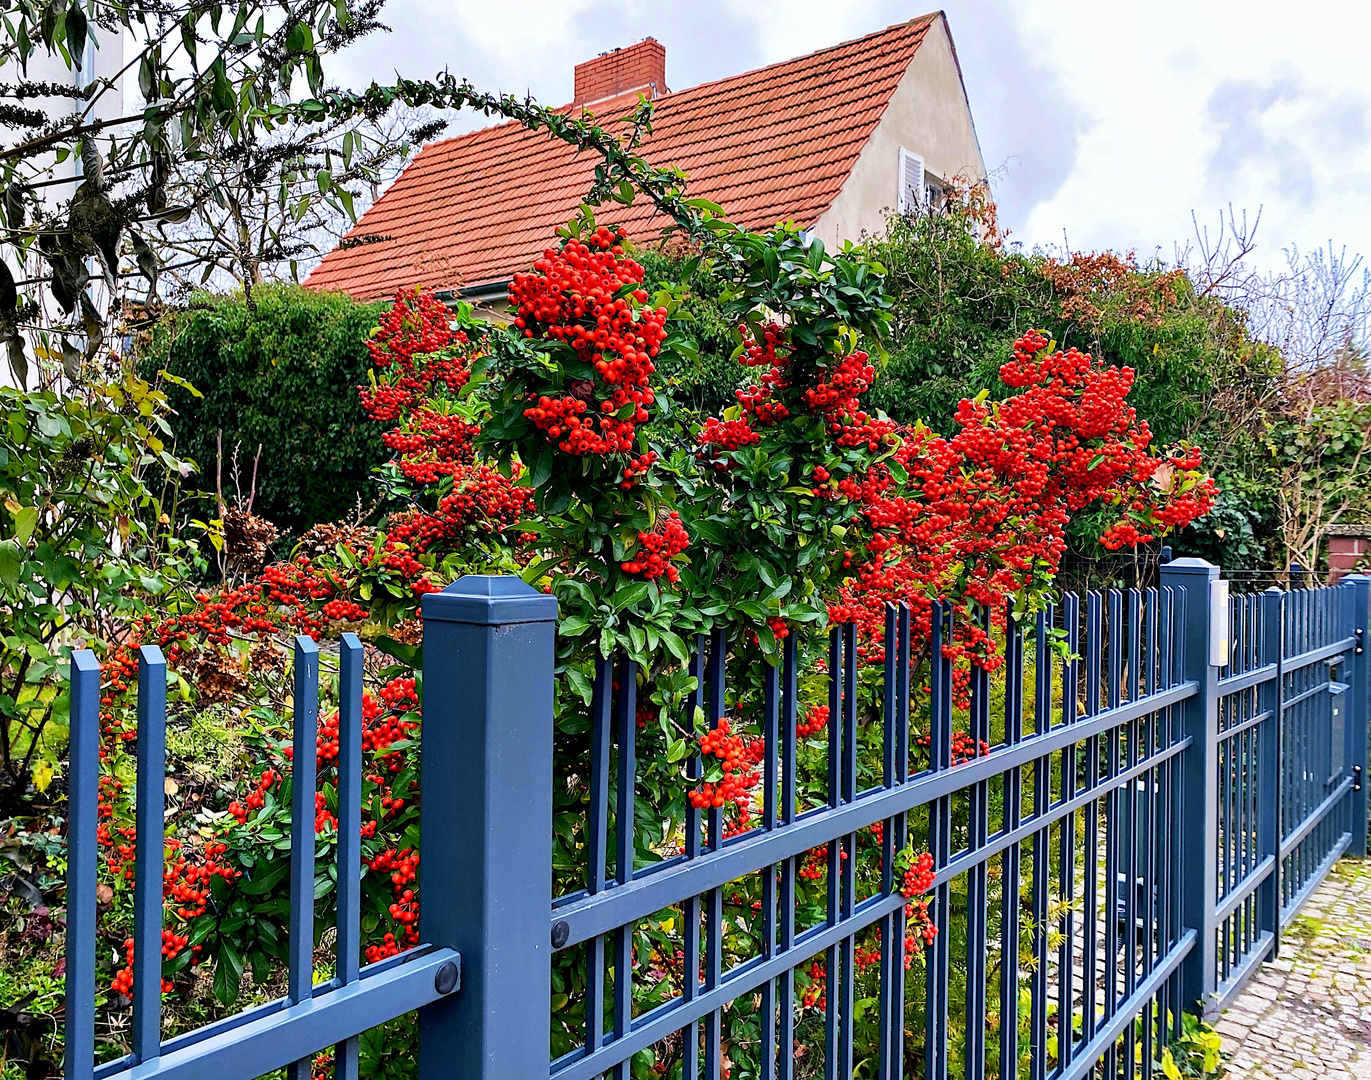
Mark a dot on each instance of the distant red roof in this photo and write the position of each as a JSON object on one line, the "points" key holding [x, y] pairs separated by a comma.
{"points": [[770, 145]]}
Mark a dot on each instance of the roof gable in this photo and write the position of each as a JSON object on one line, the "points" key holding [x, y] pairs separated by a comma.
{"points": [[769, 145]]}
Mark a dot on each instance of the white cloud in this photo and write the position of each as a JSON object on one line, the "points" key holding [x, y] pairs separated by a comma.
{"points": [[1199, 106], [1115, 121]]}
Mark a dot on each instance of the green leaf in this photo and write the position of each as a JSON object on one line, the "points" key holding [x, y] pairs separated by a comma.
{"points": [[572, 626], [25, 518], [406, 654], [76, 33], [11, 562], [674, 645], [261, 884], [228, 972], [542, 468], [630, 595]]}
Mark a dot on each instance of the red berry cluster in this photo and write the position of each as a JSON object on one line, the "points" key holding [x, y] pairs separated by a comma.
{"points": [[657, 549], [836, 396], [737, 760], [816, 993], [719, 437], [983, 515], [637, 468], [402, 867], [759, 400], [256, 798], [344, 611], [815, 720], [418, 350], [576, 295], [918, 879]]}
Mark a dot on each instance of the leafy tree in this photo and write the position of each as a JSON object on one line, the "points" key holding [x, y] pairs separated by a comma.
{"points": [[217, 169], [279, 378], [272, 205], [83, 537]]}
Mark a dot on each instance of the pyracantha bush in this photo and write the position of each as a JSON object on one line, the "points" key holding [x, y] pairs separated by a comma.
{"points": [[546, 449]]}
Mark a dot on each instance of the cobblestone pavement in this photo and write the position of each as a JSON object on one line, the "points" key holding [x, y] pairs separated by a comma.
{"points": [[1308, 1014]]}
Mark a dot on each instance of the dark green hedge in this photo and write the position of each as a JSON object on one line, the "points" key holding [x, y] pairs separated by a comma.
{"points": [[281, 373]]}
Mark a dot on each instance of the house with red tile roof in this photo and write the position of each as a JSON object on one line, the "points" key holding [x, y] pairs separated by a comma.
{"points": [[833, 141]]}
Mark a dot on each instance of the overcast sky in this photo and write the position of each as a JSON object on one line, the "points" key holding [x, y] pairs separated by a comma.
{"points": [[1107, 123]]}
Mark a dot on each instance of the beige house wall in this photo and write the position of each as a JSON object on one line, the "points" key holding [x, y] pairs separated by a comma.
{"points": [[928, 115]]}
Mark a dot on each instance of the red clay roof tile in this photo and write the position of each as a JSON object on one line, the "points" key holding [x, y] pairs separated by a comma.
{"points": [[770, 145]]}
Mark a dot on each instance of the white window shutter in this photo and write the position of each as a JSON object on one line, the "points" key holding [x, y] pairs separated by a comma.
{"points": [[911, 195]]}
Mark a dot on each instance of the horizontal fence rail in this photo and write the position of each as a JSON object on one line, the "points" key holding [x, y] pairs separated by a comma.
{"points": [[1024, 868]]}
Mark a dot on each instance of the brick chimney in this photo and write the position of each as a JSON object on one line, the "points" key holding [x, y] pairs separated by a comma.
{"points": [[639, 68]]}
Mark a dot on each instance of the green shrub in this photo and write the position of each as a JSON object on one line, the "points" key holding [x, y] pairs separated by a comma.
{"points": [[1199, 375], [957, 304], [280, 373], [703, 375]]}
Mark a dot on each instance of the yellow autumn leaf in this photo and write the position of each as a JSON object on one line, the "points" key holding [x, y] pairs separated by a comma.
{"points": [[43, 773]]}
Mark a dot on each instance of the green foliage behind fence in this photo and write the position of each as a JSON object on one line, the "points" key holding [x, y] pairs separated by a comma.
{"points": [[280, 373]]}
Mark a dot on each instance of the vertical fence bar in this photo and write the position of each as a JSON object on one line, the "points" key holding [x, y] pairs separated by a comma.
{"points": [[1012, 812], [487, 886], [151, 850], [892, 924], [938, 954], [790, 695], [83, 752], [848, 848], [626, 724], [1066, 963], [1359, 675], [597, 839], [304, 774], [1042, 800], [1199, 819], [899, 827], [977, 889], [1089, 965], [836, 732], [690, 943], [771, 708], [716, 678], [348, 962]]}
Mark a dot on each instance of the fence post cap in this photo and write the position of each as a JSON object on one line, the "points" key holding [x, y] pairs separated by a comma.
{"points": [[489, 600], [1188, 565], [1353, 579]]}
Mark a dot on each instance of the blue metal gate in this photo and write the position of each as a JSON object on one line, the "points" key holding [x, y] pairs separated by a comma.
{"points": [[1290, 748], [1156, 780]]}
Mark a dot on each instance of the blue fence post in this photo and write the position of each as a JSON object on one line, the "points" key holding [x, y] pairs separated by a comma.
{"points": [[83, 854], [1358, 710], [1199, 819], [486, 825]]}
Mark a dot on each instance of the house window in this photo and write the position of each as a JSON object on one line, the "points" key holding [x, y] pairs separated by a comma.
{"points": [[911, 195], [933, 192]]}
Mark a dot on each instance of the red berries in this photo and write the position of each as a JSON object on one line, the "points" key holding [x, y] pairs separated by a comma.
{"points": [[919, 877], [344, 611], [736, 759], [815, 720], [983, 515], [577, 295], [657, 549]]}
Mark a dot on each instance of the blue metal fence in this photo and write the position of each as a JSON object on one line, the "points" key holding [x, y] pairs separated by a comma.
{"points": [[1166, 775]]}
